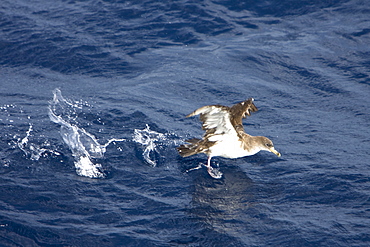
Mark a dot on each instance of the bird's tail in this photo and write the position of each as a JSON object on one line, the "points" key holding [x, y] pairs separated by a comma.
{"points": [[191, 148]]}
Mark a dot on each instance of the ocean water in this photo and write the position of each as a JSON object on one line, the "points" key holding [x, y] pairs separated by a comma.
{"points": [[93, 100]]}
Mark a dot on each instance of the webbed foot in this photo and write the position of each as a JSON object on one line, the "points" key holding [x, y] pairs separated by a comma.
{"points": [[214, 172]]}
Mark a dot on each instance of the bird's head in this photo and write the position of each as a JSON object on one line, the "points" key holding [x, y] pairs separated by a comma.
{"points": [[266, 144]]}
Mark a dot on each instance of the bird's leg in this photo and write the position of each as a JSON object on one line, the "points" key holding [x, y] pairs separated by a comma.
{"points": [[215, 173], [209, 163]]}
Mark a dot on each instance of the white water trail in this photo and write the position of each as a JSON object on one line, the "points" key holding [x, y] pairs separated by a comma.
{"points": [[84, 146], [150, 140]]}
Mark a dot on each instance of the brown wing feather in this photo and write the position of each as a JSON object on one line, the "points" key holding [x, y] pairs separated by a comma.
{"points": [[240, 111]]}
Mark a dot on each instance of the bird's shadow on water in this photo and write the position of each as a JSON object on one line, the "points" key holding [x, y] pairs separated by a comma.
{"points": [[235, 186], [226, 205], [222, 204], [211, 192]]}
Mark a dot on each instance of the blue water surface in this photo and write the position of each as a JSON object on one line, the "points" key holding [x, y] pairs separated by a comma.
{"points": [[92, 104]]}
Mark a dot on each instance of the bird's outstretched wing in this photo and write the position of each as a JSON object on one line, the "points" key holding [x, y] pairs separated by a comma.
{"points": [[218, 119], [240, 111]]}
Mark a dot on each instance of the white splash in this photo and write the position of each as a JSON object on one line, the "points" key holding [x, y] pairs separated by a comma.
{"points": [[34, 151], [150, 140], [84, 146], [23, 143]]}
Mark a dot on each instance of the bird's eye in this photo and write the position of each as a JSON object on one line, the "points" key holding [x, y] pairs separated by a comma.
{"points": [[269, 145]]}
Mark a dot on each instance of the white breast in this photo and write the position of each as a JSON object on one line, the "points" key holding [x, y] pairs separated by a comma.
{"points": [[229, 147]]}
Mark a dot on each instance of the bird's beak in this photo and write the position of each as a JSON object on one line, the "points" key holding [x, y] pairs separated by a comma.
{"points": [[273, 150]]}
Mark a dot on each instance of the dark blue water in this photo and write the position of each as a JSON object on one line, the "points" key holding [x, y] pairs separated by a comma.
{"points": [[92, 104]]}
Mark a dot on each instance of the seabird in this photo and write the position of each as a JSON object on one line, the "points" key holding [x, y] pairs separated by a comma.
{"points": [[225, 135]]}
